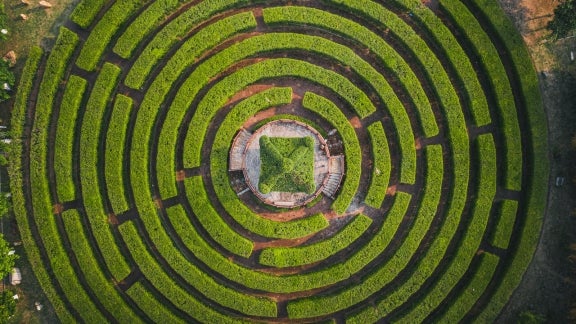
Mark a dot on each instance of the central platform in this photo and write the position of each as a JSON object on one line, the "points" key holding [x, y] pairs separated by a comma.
{"points": [[252, 163]]}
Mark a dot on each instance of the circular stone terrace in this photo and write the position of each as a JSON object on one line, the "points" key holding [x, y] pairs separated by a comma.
{"points": [[246, 154]]}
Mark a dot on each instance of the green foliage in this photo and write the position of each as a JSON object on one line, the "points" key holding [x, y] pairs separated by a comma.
{"points": [[89, 142], [188, 53], [500, 84], [114, 161], [102, 33], [155, 309], [7, 305], [306, 254], [352, 152], [471, 238], [6, 260], [564, 20], [7, 80], [16, 181], [205, 284], [143, 25], [219, 171], [466, 300], [86, 11], [286, 164], [97, 280], [457, 58], [386, 272], [290, 283], [68, 113], [213, 223], [382, 166], [5, 204], [506, 211], [177, 29], [537, 187]]}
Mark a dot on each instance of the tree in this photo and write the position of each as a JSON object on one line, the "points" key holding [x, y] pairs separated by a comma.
{"points": [[7, 305], [564, 19], [7, 79], [7, 259]]}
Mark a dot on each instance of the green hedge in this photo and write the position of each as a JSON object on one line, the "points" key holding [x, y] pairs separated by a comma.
{"points": [[352, 151], [101, 286], [365, 37], [213, 223], [206, 285], [457, 58], [41, 202], [388, 271], [143, 25], [473, 291], [457, 130], [114, 154], [89, 141], [506, 218], [500, 84], [219, 171], [19, 203], [538, 154], [63, 160], [306, 254], [469, 246], [156, 310], [53, 75], [86, 11], [103, 32], [171, 34], [190, 50], [297, 282], [382, 166], [219, 94], [366, 71]]}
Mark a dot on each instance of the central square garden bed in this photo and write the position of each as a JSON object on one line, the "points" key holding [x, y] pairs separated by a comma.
{"points": [[286, 164]]}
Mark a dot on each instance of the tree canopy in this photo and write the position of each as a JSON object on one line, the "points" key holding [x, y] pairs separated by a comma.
{"points": [[564, 19]]}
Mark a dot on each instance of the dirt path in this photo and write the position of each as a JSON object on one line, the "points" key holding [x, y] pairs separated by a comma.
{"points": [[549, 286]]}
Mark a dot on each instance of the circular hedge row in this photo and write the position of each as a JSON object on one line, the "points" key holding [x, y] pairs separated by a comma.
{"points": [[131, 212]]}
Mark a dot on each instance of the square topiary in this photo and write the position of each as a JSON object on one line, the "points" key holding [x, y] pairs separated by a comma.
{"points": [[286, 164]]}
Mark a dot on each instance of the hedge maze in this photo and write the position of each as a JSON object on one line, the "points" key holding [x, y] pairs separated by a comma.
{"points": [[130, 212]]}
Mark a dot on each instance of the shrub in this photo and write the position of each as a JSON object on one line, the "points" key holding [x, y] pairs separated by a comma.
{"points": [[102, 33], [156, 310], [86, 11], [172, 33], [537, 186], [213, 223], [500, 84], [382, 166], [114, 161], [90, 134], [301, 255], [96, 279], [20, 206], [352, 152], [142, 26], [202, 282], [384, 273], [65, 138]]}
